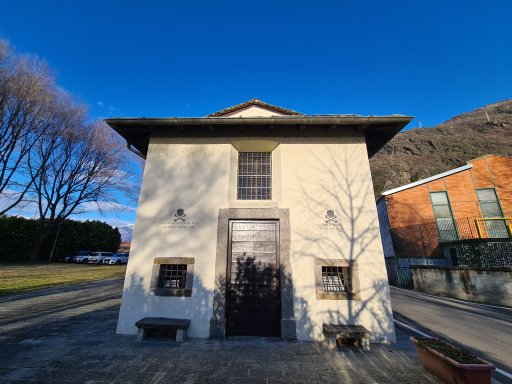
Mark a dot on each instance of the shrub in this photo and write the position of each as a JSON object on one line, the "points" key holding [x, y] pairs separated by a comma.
{"points": [[17, 236]]}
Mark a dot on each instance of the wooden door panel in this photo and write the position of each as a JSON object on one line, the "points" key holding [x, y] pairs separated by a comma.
{"points": [[242, 226], [264, 226], [264, 236], [253, 236], [265, 247], [253, 296], [242, 236], [264, 258], [242, 246]]}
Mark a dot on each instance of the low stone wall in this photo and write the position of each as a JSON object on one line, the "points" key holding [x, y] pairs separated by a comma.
{"points": [[486, 285]]}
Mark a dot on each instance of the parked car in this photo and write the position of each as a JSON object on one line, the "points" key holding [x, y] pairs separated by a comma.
{"points": [[118, 258], [72, 258], [97, 257]]}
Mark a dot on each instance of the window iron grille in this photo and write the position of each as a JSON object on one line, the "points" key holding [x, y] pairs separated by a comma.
{"points": [[254, 176], [336, 279], [172, 276]]}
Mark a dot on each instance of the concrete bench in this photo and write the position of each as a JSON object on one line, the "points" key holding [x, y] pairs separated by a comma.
{"points": [[343, 331], [162, 324]]}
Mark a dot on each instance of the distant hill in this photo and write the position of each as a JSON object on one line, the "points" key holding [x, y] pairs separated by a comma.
{"points": [[422, 152], [126, 232]]}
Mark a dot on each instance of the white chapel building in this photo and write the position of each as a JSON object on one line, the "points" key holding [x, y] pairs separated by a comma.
{"points": [[258, 220]]}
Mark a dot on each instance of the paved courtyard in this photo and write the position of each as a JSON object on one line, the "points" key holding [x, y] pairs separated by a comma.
{"points": [[67, 335]]}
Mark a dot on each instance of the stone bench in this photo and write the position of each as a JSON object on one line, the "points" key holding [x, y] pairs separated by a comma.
{"points": [[163, 324], [341, 331]]}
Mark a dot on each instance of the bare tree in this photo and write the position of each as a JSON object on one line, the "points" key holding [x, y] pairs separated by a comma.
{"points": [[50, 155], [72, 165], [28, 107]]}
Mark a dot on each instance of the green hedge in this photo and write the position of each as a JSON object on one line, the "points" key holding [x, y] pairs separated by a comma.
{"points": [[17, 235]]}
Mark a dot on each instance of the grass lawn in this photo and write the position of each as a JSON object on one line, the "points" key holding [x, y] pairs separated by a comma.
{"points": [[15, 278]]}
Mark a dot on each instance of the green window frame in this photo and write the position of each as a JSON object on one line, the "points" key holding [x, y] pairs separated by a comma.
{"points": [[491, 208], [444, 217]]}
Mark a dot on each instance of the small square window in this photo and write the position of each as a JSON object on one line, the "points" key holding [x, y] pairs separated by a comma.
{"points": [[335, 279], [172, 276]]}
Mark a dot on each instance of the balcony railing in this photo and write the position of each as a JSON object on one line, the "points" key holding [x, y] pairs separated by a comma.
{"points": [[494, 227], [422, 240], [473, 241], [480, 228]]}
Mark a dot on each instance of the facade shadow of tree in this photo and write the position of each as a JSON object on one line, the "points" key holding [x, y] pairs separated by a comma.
{"points": [[257, 289], [348, 192], [156, 235], [253, 297]]}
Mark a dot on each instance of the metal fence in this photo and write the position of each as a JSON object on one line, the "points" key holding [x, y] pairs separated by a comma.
{"points": [[484, 228], [485, 253], [479, 242]]}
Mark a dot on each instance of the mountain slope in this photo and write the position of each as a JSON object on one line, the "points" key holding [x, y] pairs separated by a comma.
{"points": [[126, 232], [419, 153]]}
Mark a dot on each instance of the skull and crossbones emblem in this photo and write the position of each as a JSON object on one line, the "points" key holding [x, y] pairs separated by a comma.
{"points": [[180, 215], [331, 216]]}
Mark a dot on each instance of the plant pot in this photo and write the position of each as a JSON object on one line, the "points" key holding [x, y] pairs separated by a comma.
{"points": [[451, 371]]}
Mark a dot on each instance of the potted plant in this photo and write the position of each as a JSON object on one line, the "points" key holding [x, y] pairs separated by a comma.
{"points": [[451, 364]]}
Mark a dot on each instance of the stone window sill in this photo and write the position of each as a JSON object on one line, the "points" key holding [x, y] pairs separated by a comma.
{"points": [[172, 292], [322, 295]]}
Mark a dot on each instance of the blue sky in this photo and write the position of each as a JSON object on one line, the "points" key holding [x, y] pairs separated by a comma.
{"points": [[431, 59]]}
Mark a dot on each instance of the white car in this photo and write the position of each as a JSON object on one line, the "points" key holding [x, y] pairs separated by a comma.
{"points": [[72, 258], [98, 257], [118, 258], [81, 258]]}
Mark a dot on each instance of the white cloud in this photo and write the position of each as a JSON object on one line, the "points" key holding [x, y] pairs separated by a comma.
{"points": [[105, 206], [24, 208], [29, 209], [101, 103], [114, 222]]}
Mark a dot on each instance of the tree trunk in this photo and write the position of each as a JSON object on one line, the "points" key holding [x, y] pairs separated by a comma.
{"points": [[35, 255]]}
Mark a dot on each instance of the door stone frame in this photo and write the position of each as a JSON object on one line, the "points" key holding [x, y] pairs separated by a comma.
{"points": [[218, 320]]}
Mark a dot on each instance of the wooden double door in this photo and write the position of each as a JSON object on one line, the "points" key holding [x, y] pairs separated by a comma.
{"points": [[253, 302]]}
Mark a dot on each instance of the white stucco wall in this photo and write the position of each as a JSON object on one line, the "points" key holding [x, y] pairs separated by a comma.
{"points": [[194, 177], [314, 175], [334, 174]]}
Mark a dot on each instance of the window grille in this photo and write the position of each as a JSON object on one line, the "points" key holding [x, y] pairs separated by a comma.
{"points": [[172, 276], [336, 279], [254, 176]]}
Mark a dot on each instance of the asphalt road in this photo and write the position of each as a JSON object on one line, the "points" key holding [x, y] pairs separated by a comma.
{"points": [[483, 329]]}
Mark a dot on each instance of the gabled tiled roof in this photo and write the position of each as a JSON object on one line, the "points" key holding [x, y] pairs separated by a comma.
{"points": [[255, 102]]}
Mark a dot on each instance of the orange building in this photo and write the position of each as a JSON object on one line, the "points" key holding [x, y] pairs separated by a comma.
{"points": [[454, 217], [124, 246]]}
